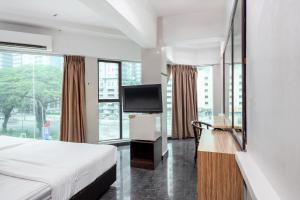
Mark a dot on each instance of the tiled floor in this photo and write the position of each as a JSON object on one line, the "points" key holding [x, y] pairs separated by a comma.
{"points": [[175, 178]]}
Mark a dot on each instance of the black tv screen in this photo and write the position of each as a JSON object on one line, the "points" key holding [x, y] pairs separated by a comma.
{"points": [[142, 98]]}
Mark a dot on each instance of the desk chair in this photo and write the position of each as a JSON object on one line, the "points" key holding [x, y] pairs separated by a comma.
{"points": [[198, 127]]}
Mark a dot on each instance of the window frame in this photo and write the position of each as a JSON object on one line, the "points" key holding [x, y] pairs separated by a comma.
{"points": [[116, 100], [119, 99]]}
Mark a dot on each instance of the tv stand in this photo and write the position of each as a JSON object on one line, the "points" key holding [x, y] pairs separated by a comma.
{"points": [[146, 140], [145, 154]]}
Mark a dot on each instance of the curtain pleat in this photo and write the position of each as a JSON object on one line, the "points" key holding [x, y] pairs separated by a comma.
{"points": [[73, 115], [184, 107]]}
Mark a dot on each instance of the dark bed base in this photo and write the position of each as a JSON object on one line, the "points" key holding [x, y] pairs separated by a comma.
{"points": [[96, 189]]}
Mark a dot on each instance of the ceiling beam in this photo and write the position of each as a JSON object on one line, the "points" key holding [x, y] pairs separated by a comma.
{"points": [[8, 20], [134, 18]]}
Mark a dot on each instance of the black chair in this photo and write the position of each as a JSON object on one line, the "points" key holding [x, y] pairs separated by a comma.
{"points": [[198, 127]]}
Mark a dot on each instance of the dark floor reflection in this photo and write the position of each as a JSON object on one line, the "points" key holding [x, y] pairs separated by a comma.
{"points": [[175, 178]]}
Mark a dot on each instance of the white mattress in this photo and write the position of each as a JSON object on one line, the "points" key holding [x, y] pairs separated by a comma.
{"points": [[65, 167], [10, 142], [13, 188]]}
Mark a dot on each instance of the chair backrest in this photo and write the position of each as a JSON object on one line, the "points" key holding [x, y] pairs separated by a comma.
{"points": [[197, 130], [197, 127]]}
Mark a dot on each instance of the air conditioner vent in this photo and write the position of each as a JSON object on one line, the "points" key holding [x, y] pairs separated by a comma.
{"points": [[13, 40], [26, 46]]}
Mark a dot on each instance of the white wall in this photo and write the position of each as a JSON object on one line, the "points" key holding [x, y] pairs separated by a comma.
{"points": [[91, 97], [199, 27], [273, 95], [202, 56], [151, 66], [154, 62], [94, 46]]}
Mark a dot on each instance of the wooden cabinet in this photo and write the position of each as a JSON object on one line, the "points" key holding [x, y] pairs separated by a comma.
{"points": [[145, 154], [219, 177]]}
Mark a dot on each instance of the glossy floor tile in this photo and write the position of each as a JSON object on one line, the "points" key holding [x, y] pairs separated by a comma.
{"points": [[174, 178]]}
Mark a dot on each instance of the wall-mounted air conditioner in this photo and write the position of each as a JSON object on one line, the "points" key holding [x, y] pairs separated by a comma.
{"points": [[25, 41]]}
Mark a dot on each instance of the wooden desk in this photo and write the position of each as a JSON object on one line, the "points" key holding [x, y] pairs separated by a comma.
{"points": [[221, 122], [219, 177]]}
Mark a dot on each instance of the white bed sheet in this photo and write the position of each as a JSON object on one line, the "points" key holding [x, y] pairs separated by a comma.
{"points": [[65, 167], [10, 142], [13, 188]]}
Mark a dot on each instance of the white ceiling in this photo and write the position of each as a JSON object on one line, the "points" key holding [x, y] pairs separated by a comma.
{"points": [[179, 7], [192, 24], [186, 23], [67, 10]]}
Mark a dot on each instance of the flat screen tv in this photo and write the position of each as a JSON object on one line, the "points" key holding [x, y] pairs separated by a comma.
{"points": [[142, 98]]}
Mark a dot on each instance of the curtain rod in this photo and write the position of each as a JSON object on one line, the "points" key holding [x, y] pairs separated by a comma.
{"points": [[198, 65]]}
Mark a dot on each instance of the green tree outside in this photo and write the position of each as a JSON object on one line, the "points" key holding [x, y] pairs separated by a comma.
{"points": [[29, 89]]}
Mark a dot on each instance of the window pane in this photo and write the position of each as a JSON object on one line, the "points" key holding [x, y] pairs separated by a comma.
{"points": [[108, 80], [131, 75], [109, 121], [205, 93], [47, 91], [238, 96], [30, 94]]}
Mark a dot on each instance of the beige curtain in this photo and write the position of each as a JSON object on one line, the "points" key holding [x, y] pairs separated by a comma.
{"points": [[184, 108], [73, 116]]}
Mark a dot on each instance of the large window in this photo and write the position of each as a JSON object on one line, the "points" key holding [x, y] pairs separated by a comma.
{"points": [[30, 95], [204, 95], [113, 123]]}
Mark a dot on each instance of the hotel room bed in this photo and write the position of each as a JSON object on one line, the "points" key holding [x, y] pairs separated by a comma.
{"points": [[23, 189], [69, 170], [10, 142]]}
